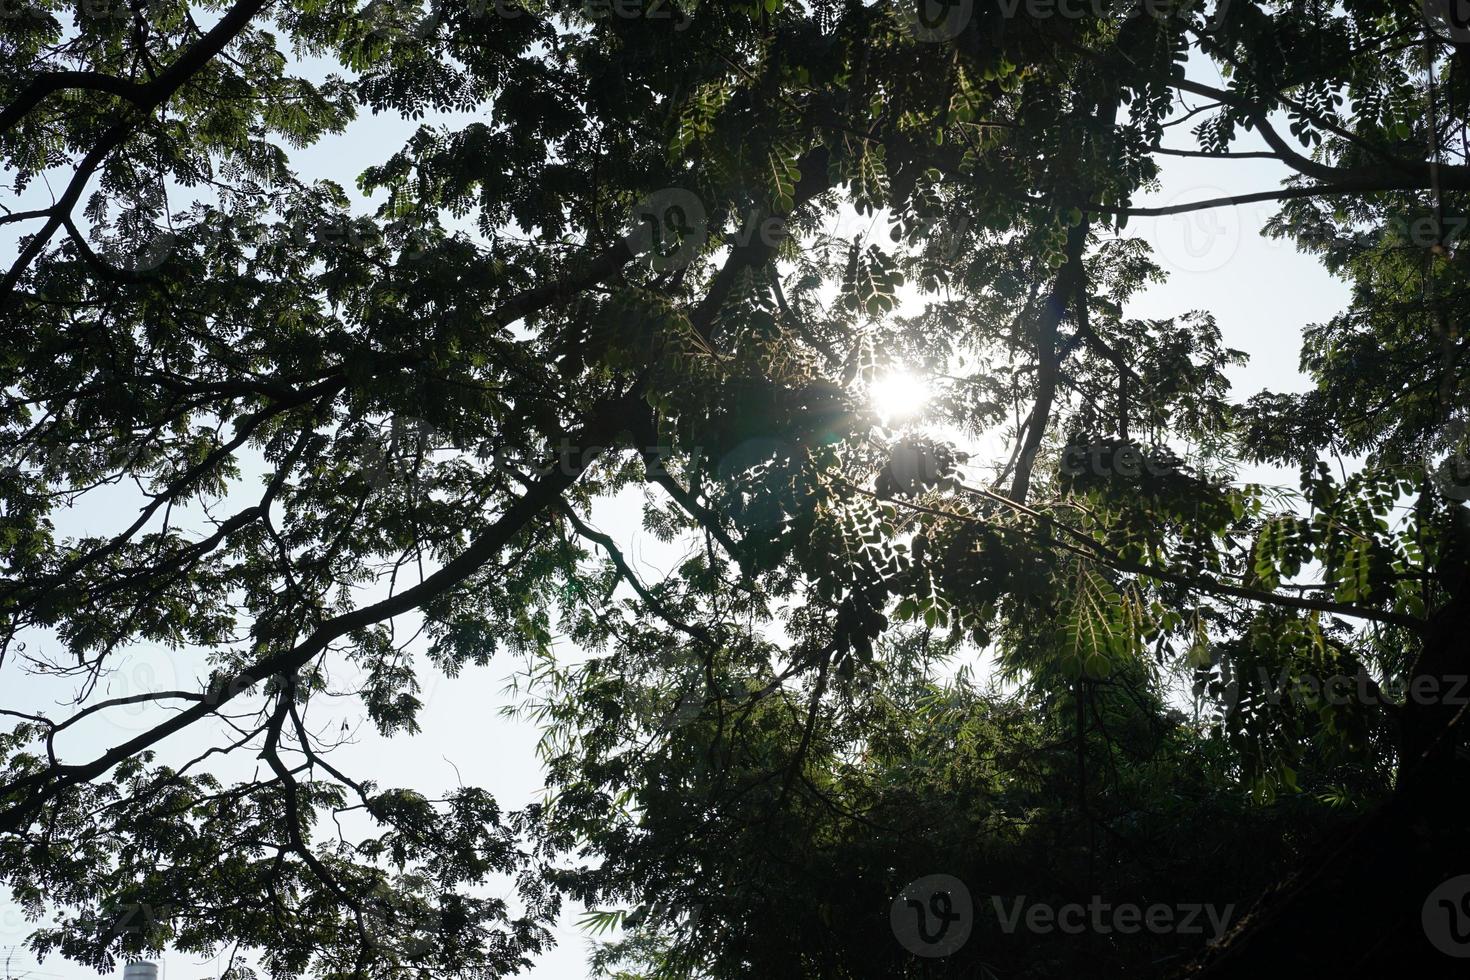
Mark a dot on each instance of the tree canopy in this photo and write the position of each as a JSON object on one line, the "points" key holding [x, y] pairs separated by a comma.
{"points": [[365, 429]]}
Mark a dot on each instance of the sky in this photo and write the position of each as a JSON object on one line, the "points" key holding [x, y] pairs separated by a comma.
{"points": [[1261, 291]]}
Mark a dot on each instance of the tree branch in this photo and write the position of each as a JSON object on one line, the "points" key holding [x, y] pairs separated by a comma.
{"points": [[26, 795]]}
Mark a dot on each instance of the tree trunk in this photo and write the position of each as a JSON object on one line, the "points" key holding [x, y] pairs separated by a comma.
{"points": [[1367, 906]]}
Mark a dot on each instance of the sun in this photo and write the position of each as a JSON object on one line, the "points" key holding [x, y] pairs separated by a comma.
{"points": [[899, 396]]}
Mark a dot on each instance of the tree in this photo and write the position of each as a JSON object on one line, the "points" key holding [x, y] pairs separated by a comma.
{"points": [[625, 278]]}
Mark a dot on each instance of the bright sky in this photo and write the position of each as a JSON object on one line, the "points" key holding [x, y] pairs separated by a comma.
{"points": [[1261, 291]]}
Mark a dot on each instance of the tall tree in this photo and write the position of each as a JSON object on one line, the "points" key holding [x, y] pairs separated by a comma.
{"points": [[621, 273]]}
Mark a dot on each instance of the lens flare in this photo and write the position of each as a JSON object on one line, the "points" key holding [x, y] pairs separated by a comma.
{"points": [[899, 396]]}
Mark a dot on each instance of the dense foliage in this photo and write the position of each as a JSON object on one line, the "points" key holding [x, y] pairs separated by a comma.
{"points": [[611, 259]]}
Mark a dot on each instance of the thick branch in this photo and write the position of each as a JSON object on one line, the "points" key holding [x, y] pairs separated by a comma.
{"points": [[149, 97], [1070, 278], [25, 796]]}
